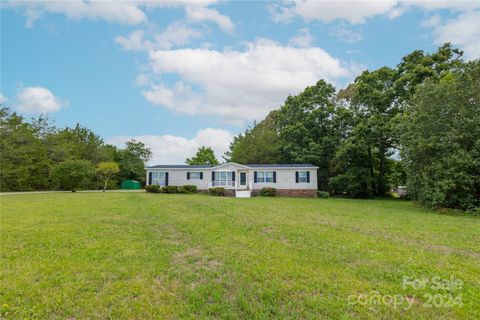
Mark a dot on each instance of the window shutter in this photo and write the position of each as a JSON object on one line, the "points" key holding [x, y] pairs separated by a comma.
{"points": [[255, 176], [188, 175], [166, 178], [296, 176], [213, 175], [274, 176], [308, 176], [149, 178], [233, 175], [201, 175]]}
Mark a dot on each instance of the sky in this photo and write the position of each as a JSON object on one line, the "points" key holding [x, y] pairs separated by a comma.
{"points": [[182, 74]]}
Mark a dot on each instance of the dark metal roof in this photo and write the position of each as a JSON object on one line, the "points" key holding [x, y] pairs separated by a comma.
{"points": [[180, 166], [290, 165]]}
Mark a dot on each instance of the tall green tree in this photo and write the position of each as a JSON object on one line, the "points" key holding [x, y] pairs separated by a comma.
{"points": [[77, 143], [204, 155], [418, 66], [259, 144], [73, 175], [132, 160], [24, 162], [375, 111], [441, 140], [310, 127]]}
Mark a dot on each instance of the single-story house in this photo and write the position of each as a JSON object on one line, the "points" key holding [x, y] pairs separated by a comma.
{"points": [[239, 180]]}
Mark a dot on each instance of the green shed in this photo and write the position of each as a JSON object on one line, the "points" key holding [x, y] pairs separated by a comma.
{"points": [[130, 184]]}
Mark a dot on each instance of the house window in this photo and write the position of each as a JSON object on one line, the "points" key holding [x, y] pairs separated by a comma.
{"points": [[195, 175], [221, 176], [224, 178], [302, 176], [158, 178], [264, 176]]}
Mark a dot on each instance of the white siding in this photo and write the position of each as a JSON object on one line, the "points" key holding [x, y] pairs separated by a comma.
{"points": [[286, 179], [178, 177]]}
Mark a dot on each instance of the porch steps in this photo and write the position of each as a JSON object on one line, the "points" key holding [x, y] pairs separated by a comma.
{"points": [[242, 193]]}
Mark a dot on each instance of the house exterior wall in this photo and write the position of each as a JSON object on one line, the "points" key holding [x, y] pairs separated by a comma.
{"points": [[285, 178], [178, 177]]}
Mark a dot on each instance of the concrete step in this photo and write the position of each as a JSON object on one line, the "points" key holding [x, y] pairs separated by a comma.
{"points": [[242, 193]]}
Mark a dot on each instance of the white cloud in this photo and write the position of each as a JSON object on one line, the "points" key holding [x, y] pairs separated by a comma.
{"points": [[176, 34], [142, 80], [345, 34], [430, 5], [355, 11], [463, 31], [38, 100], [358, 11], [119, 12], [124, 12], [303, 39], [240, 86], [168, 149], [134, 41], [3, 99], [200, 13], [281, 14], [431, 22], [31, 17]]}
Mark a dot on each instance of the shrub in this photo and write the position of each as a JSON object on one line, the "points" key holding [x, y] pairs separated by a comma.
{"points": [[181, 189], [323, 194], [154, 188], [217, 191], [189, 188], [268, 192], [170, 189], [73, 175]]}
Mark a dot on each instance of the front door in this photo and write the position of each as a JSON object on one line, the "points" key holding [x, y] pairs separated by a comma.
{"points": [[242, 180]]}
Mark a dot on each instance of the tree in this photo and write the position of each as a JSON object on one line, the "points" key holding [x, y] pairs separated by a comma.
{"points": [[132, 160], [375, 108], [378, 98], [73, 174], [310, 127], [260, 144], [417, 67], [105, 171], [441, 141], [204, 155], [352, 164], [24, 161], [77, 143], [138, 150]]}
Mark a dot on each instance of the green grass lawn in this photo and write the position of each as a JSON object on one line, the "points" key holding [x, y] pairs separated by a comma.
{"points": [[148, 256]]}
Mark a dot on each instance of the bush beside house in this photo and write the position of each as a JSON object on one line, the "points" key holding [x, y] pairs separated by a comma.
{"points": [[217, 191], [268, 192], [171, 189], [153, 188], [187, 189], [323, 194]]}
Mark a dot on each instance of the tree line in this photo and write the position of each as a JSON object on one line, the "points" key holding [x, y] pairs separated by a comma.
{"points": [[417, 124], [36, 155]]}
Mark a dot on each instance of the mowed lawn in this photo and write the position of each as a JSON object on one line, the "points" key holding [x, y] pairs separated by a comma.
{"points": [[158, 256]]}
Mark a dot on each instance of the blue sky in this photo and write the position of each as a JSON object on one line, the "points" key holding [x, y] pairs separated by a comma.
{"points": [[178, 75]]}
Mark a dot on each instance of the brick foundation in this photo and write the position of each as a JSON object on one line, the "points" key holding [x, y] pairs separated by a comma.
{"points": [[229, 193], [310, 193]]}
